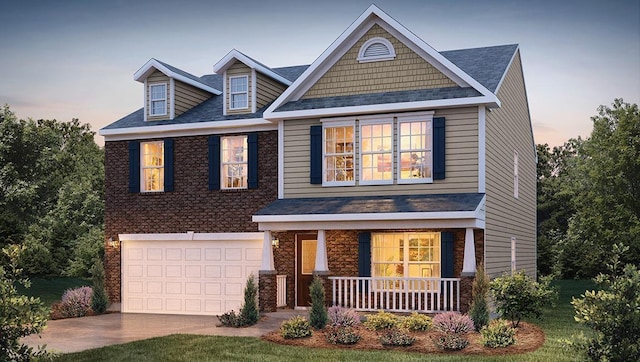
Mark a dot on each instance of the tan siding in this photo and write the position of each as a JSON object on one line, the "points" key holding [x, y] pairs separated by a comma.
{"points": [[267, 90], [238, 69], [461, 161], [408, 71], [155, 78], [187, 97], [508, 129]]}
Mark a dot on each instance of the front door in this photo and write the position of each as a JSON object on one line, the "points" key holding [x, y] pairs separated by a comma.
{"points": [[305, 264]]}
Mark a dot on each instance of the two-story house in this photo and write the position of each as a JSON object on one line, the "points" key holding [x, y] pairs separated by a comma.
{"points": [[386, 167]]}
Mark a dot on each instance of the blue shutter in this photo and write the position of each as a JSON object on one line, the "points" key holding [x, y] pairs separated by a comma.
{"points": [[168, 165], [214, 162], [134, 166], [438, 148], [364, 254], [252, 176], [316, 155], [446, 248]]}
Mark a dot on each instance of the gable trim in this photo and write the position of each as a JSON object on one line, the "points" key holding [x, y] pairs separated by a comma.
{"points": [[235, 55], [147, 69], [504, 75]]}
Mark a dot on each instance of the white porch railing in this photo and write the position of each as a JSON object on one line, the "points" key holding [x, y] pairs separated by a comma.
{"points": [[427, 295], [281, 290]]}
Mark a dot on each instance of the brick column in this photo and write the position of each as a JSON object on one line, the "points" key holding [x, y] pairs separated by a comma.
{"points": [[267, 291], [112, 271], [466, 286]]}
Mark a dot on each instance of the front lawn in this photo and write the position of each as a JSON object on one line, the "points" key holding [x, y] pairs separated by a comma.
{"points": [[558, 323], [50, 290]]}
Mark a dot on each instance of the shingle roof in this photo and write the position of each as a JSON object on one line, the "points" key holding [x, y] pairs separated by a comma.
{"points": [[185, 74], [373, 204], [486, 65]]}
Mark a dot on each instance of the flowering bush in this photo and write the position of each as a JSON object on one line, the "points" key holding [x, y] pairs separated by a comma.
{"points": [[295, 327], [451, 341], [76, 302], [342, 335], [452, 322], [340, 317], [498, 334], [416, 322], [381, 320], [396, 337]]}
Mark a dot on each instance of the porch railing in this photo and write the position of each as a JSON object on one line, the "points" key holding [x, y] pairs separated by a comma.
{"points": [[427, 295]]}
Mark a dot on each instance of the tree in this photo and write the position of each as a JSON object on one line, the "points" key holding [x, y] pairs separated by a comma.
{"points": [[479, 310], [318, 316]]}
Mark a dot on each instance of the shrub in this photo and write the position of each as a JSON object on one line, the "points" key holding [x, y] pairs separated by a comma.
{"points": [[452, 322], [381, 320], [295, 327], [76, 302], [396, 337], [479, 310], [450, 341], [249, 312], [232, 319], [416, 322], [342, 335], [518, 296], [498, 334], [99, 300], [318, 314], [343, 317]]}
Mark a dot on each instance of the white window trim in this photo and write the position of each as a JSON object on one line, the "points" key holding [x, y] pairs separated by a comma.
{"points": [[366, 121], [232, 93], [223, 163], [151, 100], [414, 117], [143, 167], [516, 177], [331, 124], [379, 58]]}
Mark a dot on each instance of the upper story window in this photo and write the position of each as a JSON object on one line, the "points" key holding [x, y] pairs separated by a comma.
{"points": [[376, 50], [339, 154], [234, 162], [152, 166], [376, 152], [157, 99], [414, 150], [239, 92]]}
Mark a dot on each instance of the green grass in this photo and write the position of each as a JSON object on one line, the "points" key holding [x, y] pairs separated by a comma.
{"points": [[50, 290], [557, 323]]}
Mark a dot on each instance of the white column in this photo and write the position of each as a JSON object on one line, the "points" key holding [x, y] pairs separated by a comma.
{"points": [[267, 253], [469, 264], [321, 253]]}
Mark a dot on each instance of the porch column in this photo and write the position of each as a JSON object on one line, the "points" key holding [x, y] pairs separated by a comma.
{"points": [[469, 264], [267, 253], [321, 254]]}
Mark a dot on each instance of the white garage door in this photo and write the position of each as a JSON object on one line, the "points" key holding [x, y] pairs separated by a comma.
{"points": [[203, 277]]}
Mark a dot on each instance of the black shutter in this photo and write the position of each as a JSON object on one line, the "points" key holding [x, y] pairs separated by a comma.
{"points": [[446, 240], [134, 166], [252, 175], [364, 254], [214, 162], [438, 148], [316, 155], [168, 165]]}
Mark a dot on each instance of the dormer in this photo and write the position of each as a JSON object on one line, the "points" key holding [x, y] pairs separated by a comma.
{"points": [[169, 91], [248, 85]]}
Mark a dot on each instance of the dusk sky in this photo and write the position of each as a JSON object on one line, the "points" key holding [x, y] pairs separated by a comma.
{"points": [[76, 58]]}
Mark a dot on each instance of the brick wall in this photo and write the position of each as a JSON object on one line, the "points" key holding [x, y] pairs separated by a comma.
{"points": [[190, 207]]}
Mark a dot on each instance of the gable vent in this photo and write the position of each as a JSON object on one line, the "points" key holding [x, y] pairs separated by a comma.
{"points": [[376, 50]]}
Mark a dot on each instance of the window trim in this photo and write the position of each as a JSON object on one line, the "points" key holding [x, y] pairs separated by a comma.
{"points": [[143, 167], [376, 58], [378, 120], [232, 93], [151, 99], [333, 124], [414, 117], [223, 163]]}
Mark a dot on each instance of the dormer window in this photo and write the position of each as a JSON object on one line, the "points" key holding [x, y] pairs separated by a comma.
{"points": [[239, 92], [157, 99], [376, 50]]}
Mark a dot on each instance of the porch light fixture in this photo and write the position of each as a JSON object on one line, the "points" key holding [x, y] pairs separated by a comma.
{"points": [[113, 243], [275, 242]]}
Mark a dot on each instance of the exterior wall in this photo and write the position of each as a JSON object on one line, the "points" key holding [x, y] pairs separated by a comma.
{"points": [[191, 207], [461, 161], [187, 97], [508, 129], [267, 90], [408, 71], [238, 69], [158, 77]]}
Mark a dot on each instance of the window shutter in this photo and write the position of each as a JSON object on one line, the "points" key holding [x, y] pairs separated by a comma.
{"points": [[438, 148], [168, 165], [446, 248], [252, 174], [134, 166], [316, 155], [214, 162], [364, 254]]}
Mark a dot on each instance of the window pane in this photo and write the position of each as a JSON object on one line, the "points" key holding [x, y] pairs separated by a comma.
{"points": [[339, 153], [308, 256], [422, 250], [238, 84], [234, 162], [158, 92], [152, 166]]}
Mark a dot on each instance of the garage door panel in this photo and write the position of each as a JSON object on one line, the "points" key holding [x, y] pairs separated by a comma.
{"points": [[174, 254], [173, 271], [154, 271], [154, 254], [212, 254], [212, 271], [253, 254], [233, 254]]}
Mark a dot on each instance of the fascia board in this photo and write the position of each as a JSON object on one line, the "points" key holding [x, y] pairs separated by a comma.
{"points": [[146, 70], [513, 57], [228, 59], [191, 236], [367, 217]]}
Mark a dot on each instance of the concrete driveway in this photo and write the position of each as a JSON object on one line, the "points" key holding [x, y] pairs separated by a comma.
{"points": [[79, 334]]}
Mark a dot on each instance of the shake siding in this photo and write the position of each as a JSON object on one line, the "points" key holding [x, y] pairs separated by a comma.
{"points": [[268, 90], [461, 161], [238, 69], [407, 71], [188, 96], [154, 78], [507, 129]]}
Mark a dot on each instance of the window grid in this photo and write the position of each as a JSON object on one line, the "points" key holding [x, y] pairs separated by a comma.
{"points": [[234, 162], [376, 153], [414, 150], [239, 90], [409, 255], [339, 154], [152, 163], [158, 99]]}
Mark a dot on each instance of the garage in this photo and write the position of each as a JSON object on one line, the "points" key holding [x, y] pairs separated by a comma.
{"points": [[201, 274]]}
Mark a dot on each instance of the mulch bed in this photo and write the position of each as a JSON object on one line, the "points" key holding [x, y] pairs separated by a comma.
{"points": [[529, 337]]}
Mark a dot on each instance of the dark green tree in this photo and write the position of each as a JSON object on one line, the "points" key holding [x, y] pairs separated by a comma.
{"points": [[318, 316]]}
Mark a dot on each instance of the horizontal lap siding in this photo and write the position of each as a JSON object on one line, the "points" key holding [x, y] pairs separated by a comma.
{"points": [[187, 97], [267, 90], [238, 69], [508, 129], [461, 161], [158, 77]]}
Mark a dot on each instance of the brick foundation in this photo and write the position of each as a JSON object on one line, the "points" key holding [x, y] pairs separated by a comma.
{"points": [[267, 291]]}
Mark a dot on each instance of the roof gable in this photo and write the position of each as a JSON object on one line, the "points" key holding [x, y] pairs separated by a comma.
{"points": [[234, 55], [153, 64]]}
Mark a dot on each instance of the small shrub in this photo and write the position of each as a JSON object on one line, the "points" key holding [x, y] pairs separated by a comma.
{"points": [[450, 341], [76, 302], [396, 337], [343, 317], [498, 334], [416, 322], [452, 322], [99, 300], [295, 327], [249, 314], [479, 310], [318, 314], [232, 319], [342, 335], [381, 320]]}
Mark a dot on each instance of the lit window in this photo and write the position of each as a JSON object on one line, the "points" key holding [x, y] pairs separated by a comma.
{"points": [[414, 151], [234, 162], [158, 99], [152, 161], [339, 155], [376, 50], [376, 153], [239, 94]]}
